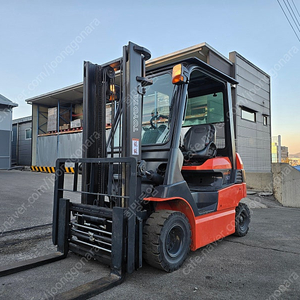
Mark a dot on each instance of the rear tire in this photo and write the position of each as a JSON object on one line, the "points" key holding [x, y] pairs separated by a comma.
{"points": [[166, 240], [242, 220]]}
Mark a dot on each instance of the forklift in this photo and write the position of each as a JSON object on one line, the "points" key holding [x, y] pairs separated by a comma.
{"points": [[161, 178]]}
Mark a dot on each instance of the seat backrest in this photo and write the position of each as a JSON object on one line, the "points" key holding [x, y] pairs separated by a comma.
{"points": [[150, 136], [198, 137], [199, 141], [154, 135]]}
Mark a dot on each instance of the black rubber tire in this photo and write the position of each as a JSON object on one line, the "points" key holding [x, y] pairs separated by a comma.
{"points": [[166, 240], [242, 220]]}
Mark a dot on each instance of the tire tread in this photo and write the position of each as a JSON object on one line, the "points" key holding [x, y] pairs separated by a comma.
{"points": [[151, 239], [240, 207]]}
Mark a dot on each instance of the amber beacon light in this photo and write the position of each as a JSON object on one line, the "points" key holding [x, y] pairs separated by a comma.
{"points": [[178, 76]]}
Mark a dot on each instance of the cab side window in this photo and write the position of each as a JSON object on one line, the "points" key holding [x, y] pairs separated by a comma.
{"points": [[205, 105]]}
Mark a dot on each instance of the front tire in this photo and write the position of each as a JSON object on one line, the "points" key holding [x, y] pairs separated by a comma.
{"points": [[166, 240], [242, 220]]}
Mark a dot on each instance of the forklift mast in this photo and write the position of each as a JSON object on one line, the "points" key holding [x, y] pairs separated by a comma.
{"points": [[102, 99], [110, 184]]}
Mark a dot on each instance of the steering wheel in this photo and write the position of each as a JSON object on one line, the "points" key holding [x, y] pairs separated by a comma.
{"points": [[156, 117]]}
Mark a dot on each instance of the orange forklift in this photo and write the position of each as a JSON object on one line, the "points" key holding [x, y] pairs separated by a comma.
{"points": [[161, 178]]}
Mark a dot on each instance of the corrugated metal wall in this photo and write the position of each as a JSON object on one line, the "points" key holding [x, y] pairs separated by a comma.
{"points": [[14, 144], [24, 145], [49, 148], [21, 146], [253, 139], [5, 138]]}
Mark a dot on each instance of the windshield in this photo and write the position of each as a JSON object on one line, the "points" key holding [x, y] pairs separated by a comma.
{"points": [[156, 110]]}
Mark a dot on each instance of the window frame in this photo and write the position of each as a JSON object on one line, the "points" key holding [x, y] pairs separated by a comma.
{"points": [[248, 110], [26, 138], [265, 120]]}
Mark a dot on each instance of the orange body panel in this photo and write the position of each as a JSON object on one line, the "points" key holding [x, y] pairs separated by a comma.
{"points": [[209, 227], [239, 163], [214, 226], [217, 163], [231, 196]]}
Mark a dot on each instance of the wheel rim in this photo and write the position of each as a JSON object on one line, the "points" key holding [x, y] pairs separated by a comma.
{"points": [[174, 241]]}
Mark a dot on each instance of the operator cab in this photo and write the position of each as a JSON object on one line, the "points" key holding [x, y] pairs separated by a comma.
{"points": [[204, 109], [204, 134], [200, 106]]}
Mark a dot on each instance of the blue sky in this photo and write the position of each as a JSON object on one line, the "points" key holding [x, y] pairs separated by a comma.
{"points": [[34, 33]]}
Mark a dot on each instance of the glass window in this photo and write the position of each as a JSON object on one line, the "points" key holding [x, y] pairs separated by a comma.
{"points": [[265, 120], [248, 114], [205, 109], [28, 134], [156, 110], [205, 105]]}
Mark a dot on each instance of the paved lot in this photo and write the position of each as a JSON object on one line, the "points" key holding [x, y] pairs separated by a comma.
{"points": [[26, 198], [262, 265]]}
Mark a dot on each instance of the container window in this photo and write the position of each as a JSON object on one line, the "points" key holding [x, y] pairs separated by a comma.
{"points": [[28, 133]]}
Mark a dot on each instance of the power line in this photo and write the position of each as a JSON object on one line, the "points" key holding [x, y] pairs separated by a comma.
{"points": [[294, 14], [291, 13], [296, 8], [288, 21]]}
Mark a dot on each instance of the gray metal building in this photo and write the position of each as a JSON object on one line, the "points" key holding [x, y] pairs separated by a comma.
{"points": [[251, 103], [21, 141], [6, 107]]}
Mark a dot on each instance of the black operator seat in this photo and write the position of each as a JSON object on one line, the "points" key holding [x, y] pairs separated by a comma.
{"points": [[199, 143]]}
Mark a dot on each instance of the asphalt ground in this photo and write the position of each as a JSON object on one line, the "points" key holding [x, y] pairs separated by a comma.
{"points": [[27, 198], [265, 264]]}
